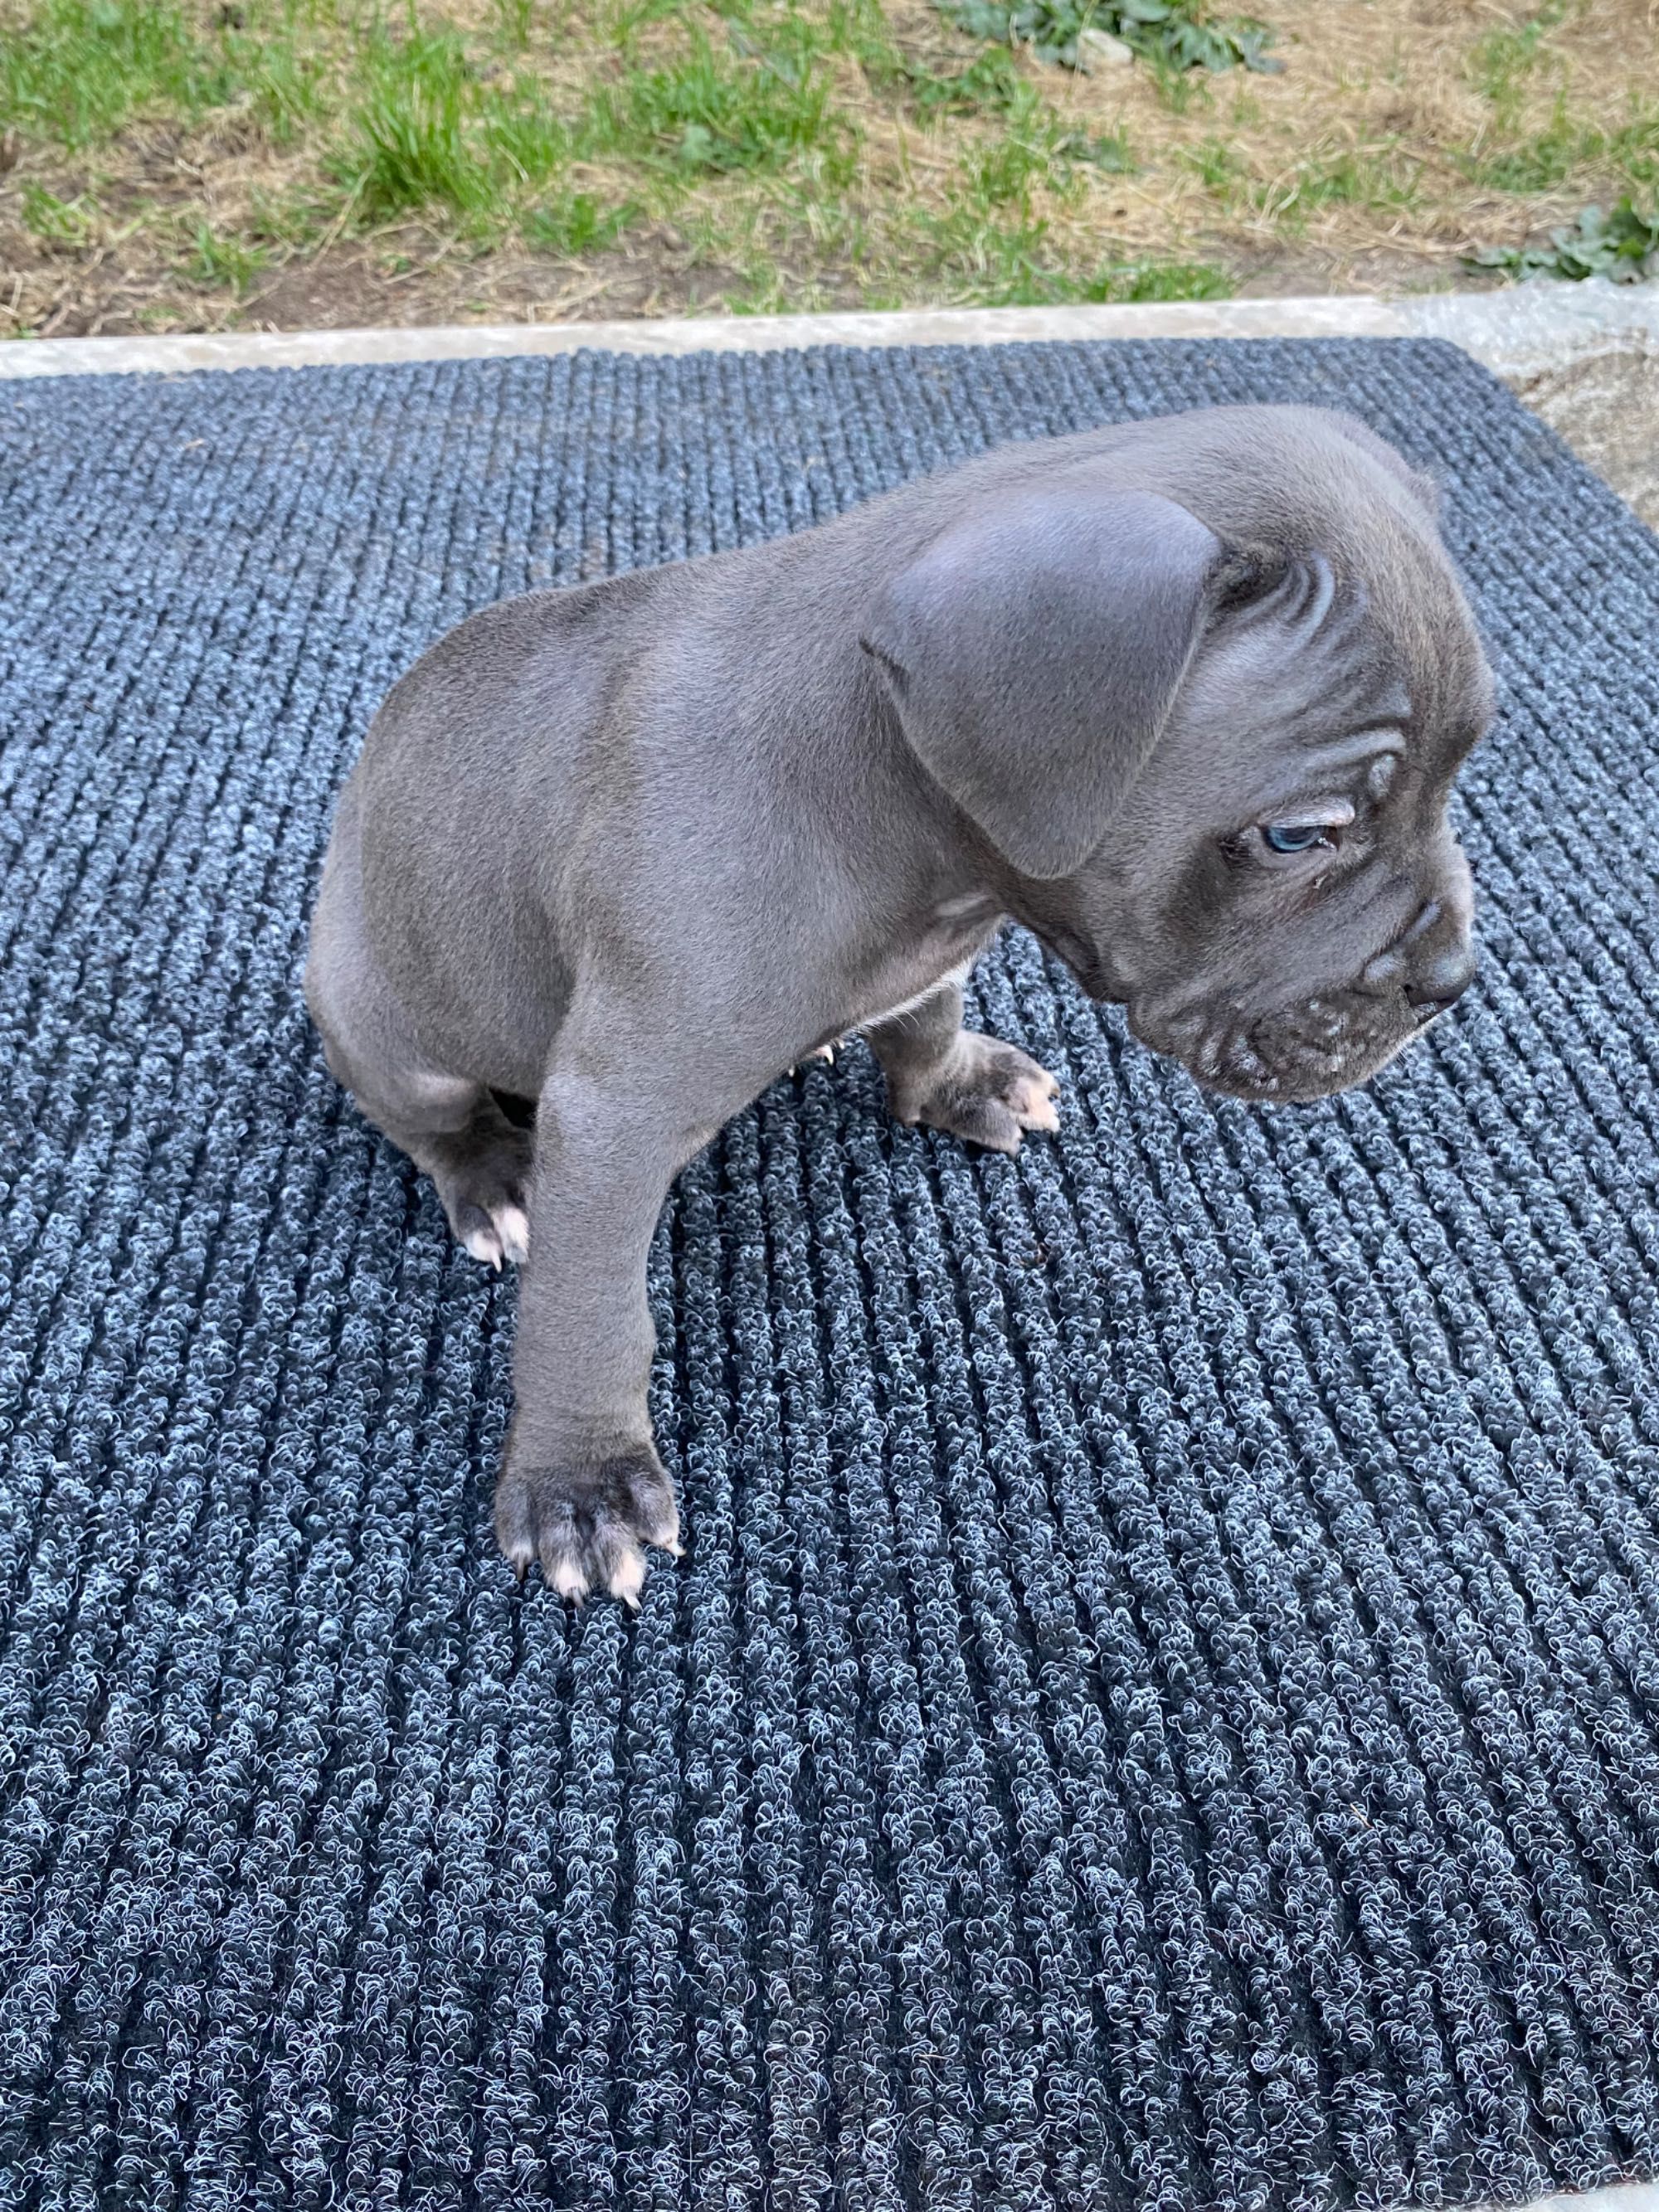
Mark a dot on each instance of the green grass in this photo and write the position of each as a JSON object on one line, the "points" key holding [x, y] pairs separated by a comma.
{"points": [[85, 66], [990, 85], [425, 134], [1568, 144], [1632, 150], [288, 92], [995, 247], [227, 263], [67, 225], [1014, 264], [1005, 171], [1163, 280], [1350, 179], [1218, 168], [412, 147], [1107, 151], [84, 69], [520, 133], [1504, 66], [1506, 57], [710, 112], [570, 223], [516, 19]]}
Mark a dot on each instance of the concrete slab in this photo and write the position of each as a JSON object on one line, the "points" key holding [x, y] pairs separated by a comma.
{"points": [[1532, 325], [1585, 355], [1361, 315]]}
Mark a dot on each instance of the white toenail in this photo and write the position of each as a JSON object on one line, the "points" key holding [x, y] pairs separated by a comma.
{"points": [[484, 1246]]}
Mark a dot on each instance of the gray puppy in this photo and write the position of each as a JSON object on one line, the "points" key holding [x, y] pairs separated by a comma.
{"points": [[1185, 697]]}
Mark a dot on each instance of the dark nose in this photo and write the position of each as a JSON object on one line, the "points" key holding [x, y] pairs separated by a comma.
{"points": [[1439, 979]]}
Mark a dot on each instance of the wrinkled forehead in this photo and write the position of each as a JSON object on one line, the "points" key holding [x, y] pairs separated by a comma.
{"points": [[1370, 619], [1331, 654]]}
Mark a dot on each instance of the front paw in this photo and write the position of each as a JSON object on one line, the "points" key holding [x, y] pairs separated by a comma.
{"points": [[588, 1522], [987, 1092]]}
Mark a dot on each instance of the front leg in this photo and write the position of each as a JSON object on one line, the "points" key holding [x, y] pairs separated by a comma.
{"points": [[582, 1489], [954, 1078]]}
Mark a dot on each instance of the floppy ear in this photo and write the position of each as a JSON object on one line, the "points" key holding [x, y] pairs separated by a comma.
{"points": [[1033, 652]]}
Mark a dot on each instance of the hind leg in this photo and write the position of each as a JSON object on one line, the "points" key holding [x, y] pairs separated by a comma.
{"points": [[448, 1124], [455, 1130]]}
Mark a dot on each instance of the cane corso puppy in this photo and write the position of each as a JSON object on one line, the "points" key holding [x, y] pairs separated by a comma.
{"points": [[1185, 697]]}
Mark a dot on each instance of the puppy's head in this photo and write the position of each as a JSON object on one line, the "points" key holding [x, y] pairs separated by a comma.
{"points": [[1201, 694]]}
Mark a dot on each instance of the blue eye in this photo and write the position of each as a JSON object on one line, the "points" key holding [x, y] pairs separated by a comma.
{"points": [[1295, 837]]}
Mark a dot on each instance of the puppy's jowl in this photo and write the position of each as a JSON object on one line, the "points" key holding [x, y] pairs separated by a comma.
{"points": [[1185, 697]]}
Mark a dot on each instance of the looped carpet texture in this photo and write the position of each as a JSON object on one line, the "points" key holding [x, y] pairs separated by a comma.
{"points": [[1161, 1705]]}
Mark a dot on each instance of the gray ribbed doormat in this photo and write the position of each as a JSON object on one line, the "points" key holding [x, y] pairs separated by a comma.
{"points": [[1161, 1707]]}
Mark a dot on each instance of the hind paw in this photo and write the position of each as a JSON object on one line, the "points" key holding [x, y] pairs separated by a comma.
{"points": [[495, 1235], [484, 1184]]}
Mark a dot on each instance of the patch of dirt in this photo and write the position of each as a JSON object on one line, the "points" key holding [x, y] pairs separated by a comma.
{"points": [[351, 287]]}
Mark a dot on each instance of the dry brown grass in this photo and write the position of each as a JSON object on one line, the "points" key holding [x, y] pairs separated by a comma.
{"points": [[1398, 137], [1396, 92]]}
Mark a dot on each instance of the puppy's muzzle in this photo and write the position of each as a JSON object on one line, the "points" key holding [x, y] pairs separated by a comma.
{"points": [[1432, 963], [1309, 1048]]}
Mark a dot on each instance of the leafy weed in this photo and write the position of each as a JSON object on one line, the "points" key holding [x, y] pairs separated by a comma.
{"points": [[1178, 33], [1622, 244]]}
